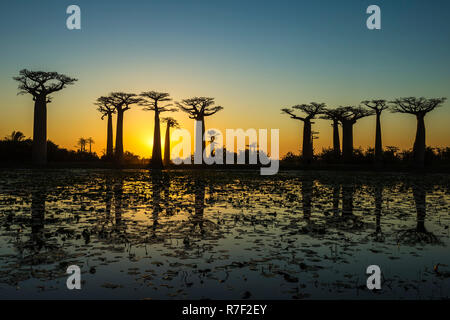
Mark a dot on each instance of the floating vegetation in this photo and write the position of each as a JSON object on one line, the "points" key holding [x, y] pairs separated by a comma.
{"points": [[231, 234]]}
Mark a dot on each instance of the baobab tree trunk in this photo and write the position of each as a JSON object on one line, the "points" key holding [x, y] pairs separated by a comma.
{"points": [[167, 146], [347, 140], [378, 145], [119, 137], [419, 143], [336, 143], [156, 153], [203, 138], [307, 151], [40, 131], [109, 138]]}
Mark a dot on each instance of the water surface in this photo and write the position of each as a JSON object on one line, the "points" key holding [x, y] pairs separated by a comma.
{"points": [[223, 234]]}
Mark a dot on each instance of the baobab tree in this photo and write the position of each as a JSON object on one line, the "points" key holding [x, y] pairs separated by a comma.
{"points": [[418, 107], [170, 123], [107, 109], [334, 115], [198, 108], [311, 110], [122, 102], [40, 85], [151, 102], [348, 118], [378, 106]]}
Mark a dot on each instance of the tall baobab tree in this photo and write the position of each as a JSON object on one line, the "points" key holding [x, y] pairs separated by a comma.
{"points": [[122, 102], [334, 115], [170, 123], [107, 109], [198, 108], [311, 110], [40, 85], [348, 118], [378, 106], [152, 103], [418, 107]]}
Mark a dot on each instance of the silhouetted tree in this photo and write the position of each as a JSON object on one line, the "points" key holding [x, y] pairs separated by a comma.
{"points": [[107, 109], [378, 106], [82, 144], [122, 102], [198, 108], [334, 115], [170, 123], [40, 85], [418, 107], [348, 118], [311, 110], [16, 136], [151, 104], [90, 141]]}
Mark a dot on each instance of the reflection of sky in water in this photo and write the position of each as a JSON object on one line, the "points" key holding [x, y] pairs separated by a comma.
{"points": [[221, 234]]}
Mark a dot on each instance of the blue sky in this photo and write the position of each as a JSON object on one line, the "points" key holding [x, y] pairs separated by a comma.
{"points": [[255, 57]]}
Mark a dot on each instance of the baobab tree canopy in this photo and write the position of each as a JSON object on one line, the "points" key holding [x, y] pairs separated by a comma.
{"points": [[353, 114], [40, 83], [171, 122], [332, 114], [122, 101], [152, 100], [311, 110], [105, 106], [199, 107], [416, 106], [376, 105]]}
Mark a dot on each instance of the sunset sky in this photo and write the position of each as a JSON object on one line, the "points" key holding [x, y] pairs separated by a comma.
{"points": [[254, 57]]}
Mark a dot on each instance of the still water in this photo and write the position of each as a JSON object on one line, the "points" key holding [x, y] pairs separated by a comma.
{"points": [[138, 234]]}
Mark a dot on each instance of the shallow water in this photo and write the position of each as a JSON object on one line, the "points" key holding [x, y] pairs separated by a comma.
{"points": [[223, 235]]}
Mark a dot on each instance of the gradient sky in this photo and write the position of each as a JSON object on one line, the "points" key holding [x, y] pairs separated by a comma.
{"points": [[254, 57]]}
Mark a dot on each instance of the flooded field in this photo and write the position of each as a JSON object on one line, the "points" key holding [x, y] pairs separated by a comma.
{"points": [[223, 235]]}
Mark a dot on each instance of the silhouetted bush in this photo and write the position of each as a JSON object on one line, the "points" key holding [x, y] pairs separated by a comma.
{"points": [[20, 152]]}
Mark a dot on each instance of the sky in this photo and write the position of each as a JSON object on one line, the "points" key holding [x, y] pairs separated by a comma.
{"points": [[253, 57]]}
